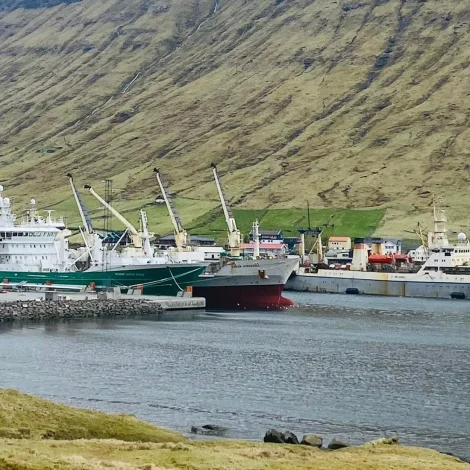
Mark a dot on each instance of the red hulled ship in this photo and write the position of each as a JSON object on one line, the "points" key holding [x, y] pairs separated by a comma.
{"points": [[247, 284], [235, 282]]}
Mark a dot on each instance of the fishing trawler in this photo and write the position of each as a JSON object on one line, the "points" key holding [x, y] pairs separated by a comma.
{"points": [[238, 283], [255, 284], [34, 251], [445, 272]]}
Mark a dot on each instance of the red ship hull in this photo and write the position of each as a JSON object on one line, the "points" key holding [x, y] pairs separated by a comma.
{"points": [[243, 297]]}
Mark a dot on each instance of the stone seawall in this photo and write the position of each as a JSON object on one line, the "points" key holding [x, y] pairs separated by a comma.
{"points": [[44, 310]]}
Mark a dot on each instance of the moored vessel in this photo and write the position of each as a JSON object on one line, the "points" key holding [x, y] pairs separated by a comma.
{"points": [[247, 284], [34, 251], [444, 274], [150, 279], [235, 282]]}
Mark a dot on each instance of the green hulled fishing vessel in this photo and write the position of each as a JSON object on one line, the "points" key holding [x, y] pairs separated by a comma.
{"points": [[151, 279], [34, 251]]}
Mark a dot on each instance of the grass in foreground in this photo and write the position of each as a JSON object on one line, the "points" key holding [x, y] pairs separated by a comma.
{"points": [[220, 455], [87, 440], [26, 416]]}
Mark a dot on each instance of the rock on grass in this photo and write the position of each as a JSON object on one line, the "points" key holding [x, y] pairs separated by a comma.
{"points": [[312, 440]]}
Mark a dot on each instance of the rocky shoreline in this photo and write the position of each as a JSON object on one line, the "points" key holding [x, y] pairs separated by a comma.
{"points": [[314, 440], [46, 310], [274, 436]]}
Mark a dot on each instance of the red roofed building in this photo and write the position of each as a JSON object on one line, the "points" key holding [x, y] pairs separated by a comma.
{"points": [[339, 243], [265, 248]]}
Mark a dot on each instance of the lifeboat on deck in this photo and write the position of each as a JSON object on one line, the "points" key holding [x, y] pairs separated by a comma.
{"points": [[399, 257], [381, 259]]}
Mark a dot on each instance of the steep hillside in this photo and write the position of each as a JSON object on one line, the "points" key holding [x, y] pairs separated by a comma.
{"points": [[295, 99], [8, 5]]}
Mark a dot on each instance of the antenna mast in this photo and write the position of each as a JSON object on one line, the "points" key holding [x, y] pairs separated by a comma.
{"points": [[308, 215]]}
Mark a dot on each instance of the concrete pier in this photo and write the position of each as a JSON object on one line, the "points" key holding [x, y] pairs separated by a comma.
{"points": [[48, 305]]}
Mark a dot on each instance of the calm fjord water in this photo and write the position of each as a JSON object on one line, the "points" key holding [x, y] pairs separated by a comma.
{"points": [[356, 368]]}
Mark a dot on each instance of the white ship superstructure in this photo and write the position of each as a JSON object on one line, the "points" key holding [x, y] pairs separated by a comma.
{"points": [[32, 243], [34, 253]]}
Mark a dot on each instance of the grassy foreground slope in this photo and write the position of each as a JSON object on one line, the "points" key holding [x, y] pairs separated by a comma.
{"points": [[167, 450], [27, 416], [294, 99]]}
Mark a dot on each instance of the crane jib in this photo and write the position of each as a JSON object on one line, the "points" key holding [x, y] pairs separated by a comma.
{"points": [[81, 206], [85, 212], [169, 201]]}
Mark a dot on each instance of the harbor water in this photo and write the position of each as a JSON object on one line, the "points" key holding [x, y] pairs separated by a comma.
{"points": [[351, 367]]}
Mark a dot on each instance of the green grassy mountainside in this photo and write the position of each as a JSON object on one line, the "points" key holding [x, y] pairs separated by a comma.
{"points": [[294, 99]]}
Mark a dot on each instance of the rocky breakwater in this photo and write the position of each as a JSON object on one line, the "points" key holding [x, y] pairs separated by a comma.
{"points": [[46, 310]]}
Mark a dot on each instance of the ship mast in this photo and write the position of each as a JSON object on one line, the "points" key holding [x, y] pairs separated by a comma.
{"points": [[255, 231], [140, 240], [181, 236], [438, 238], [234, 235]]}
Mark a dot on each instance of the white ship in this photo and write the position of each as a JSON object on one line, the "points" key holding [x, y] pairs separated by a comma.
{"points": [[444, 274]]}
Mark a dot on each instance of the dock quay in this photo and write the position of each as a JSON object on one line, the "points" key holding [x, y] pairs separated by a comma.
{"points": [[52, 305]]}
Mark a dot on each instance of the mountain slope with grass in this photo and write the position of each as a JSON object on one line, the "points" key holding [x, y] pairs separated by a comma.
{"points": [[346, 104]]}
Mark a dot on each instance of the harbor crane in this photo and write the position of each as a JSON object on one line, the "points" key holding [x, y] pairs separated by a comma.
{"points": [[92, 240], [234, 235], [86, 221], [181, 236], [140, 240]]}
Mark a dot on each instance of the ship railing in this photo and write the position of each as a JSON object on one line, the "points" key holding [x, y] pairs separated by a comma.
{"points": [[39, 220]]}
